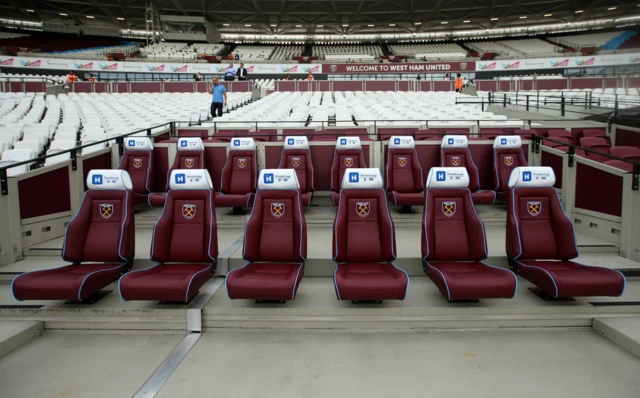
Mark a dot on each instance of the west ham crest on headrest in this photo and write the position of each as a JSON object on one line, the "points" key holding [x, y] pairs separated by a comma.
{"points": [[188, 211], [363, 208], [508, 160], [137, 163], [242, 163], [106, 210], [295, 162], [455, 160], [402, 162], [277, 209], [348, 162], [189, 163], [534, 207], [449, 208]]}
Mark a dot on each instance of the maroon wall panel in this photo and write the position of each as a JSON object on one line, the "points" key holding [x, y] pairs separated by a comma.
{"points": [[96, 162], [146, 87], [633, 82], [428, 156], [425, 86], [16, 87], [551, 84], [504, 85], [579, 83], [487, 85], [100, 87], [610, 82], [349, 85], [178, 87], [122, 87], [597, 190], [191, 132], [555, 162], [54, 184], [324, 85], [35, 87], [202, 87], [272, 157], [483, 158], [403, 85], [375, 85], [240, 87], [82, 87], [526, 84], [214, 160], [286, 86], [627, 137], [161, 166], [442, 85], [304, 86]]}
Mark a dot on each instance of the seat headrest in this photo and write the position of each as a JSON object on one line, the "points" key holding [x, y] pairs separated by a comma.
{"points": [[138, 144], [455, 141], [448, 177], [401, 142], [362, 179], [109, 179], [242, 144], [278, 179], [348, 143], [190, 179], [507, 141], [190, 144], [301, 142], [532, 177]]}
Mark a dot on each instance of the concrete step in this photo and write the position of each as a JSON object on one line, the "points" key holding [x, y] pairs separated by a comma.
{"points": [[624, 332], [15, 334]]}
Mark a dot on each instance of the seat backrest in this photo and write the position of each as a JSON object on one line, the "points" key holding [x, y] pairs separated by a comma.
{"points": [[402, 170], [138, 161], [297, 156], [628, 167], [561, 133], [190, 155], [186, 232], [451, 228], [625, 152], [491, 134], [103, 230], [588, 142], [507, 155], [598, 144], [537, 226], [454, 152], [276, 230], [363, 231], [594, 133], [240, 171], [348, 154]]}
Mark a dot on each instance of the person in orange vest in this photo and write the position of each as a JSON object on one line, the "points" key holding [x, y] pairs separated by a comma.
{"points": [[287, 77], [230, 57], [91, 79], [310, 75], [459, 83], [109, 57], [71, 78]]}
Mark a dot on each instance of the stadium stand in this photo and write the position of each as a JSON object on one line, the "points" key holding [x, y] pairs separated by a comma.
{"points": [[336, 52], [429, 50], [253, 53], [286, 53], [595, 40]]}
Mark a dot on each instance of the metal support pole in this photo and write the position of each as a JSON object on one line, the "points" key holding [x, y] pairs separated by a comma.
{"points": [[572, 154], [74, 159], [504, 100], [527, 103], [562, 106], [3, 182]]}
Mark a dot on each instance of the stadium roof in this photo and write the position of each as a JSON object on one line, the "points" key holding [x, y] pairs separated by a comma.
{"points": [[318, 17]]}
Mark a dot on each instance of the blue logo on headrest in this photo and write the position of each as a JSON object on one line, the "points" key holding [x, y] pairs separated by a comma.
{"points": [[290, 141], [343, 141], [526, 176], [132, 142], [450, 141], [97, 179], [181, 178], [354, 177], [396, 141], [236, 142], [441, 175], [183, 143], [268, 178], [503, 141]]}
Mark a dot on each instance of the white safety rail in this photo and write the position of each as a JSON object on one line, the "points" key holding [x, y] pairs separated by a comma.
{"points": [[430, 50], [598, 97]]}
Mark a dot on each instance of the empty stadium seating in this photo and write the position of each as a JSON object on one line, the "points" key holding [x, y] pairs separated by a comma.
{"points": [[507, 155], [138, 162], [430, 50], [404, 181], [455, 153], [275, 241], [99, 242], [184, 244], [599, 144], [541, 241], [297, 156], [364, 243], [190, 155], [454, 241], [238, 184], [347, 155]]}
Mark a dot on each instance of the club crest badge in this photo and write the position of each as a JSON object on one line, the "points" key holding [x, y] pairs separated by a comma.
{"points": [[242, 163], [188, 163], [106, 210], [455, 160], [402, 162], [348, 162], [188, 211], [137, 163], [508, 160], [449, 208], [363, 208], [534, 207], [295, 162], [277, 209]]}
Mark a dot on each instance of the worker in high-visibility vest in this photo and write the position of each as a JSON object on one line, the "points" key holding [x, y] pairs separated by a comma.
{"points": [[71, 78], [310, 75], [459, 83], [91, 79]]}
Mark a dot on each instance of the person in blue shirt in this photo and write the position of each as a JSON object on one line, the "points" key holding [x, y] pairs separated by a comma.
{"points": [[219, 98], [230, 73]]}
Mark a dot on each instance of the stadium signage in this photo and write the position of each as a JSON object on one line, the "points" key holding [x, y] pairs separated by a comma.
{"points": [[400, 67]]}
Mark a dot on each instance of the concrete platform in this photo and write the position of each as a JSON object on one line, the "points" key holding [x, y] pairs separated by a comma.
{"points": [[15, 334]]}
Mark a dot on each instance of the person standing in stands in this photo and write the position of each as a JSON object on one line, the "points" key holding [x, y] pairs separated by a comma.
{"points": [[230, 73], [310, 75], [91, 79], [237, 57], [196, 77], [287, 77], [459, 83], [242, 73], [219, 99]]}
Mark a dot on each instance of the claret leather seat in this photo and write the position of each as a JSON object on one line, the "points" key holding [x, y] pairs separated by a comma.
{"points": [[275, 241], [404, 181], [190, 156], [364, 242], [455, 153], [99, 242], [348, 154], [184, 243], [541, 241], [138, 162], [454, 243], [238, 185], [507, 155], [297, 156]]}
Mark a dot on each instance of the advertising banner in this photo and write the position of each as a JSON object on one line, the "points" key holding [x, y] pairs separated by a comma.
{"points": [[400, 67], [559, 62]]}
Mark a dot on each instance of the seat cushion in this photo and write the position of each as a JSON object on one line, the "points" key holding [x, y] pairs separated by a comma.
{"points": [[370, 281], [165, 282], [471, 280], [568, 278], [157, 199], [483, 197], [72, 282], [231, 200], [406, 199], [265, 281]]}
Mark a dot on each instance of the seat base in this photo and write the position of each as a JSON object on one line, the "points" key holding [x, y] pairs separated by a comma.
{"points": [[483, 197], [571, 279], [406, 199], [265, 281], [229, 200], [93, 299], [471, 280], [77, 282], [157, 199], [370, 281], [165, 282]]}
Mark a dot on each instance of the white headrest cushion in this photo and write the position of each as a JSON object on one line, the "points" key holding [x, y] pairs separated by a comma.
{"points": [[242, 144], [190, 179], [109, 180], [532, 177], [401, 142], [138, 143], [362, 179], [507, 141], [448, 177], [348, 143], [455, 141], [190, 144], [300, 142], [278, 179]]}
